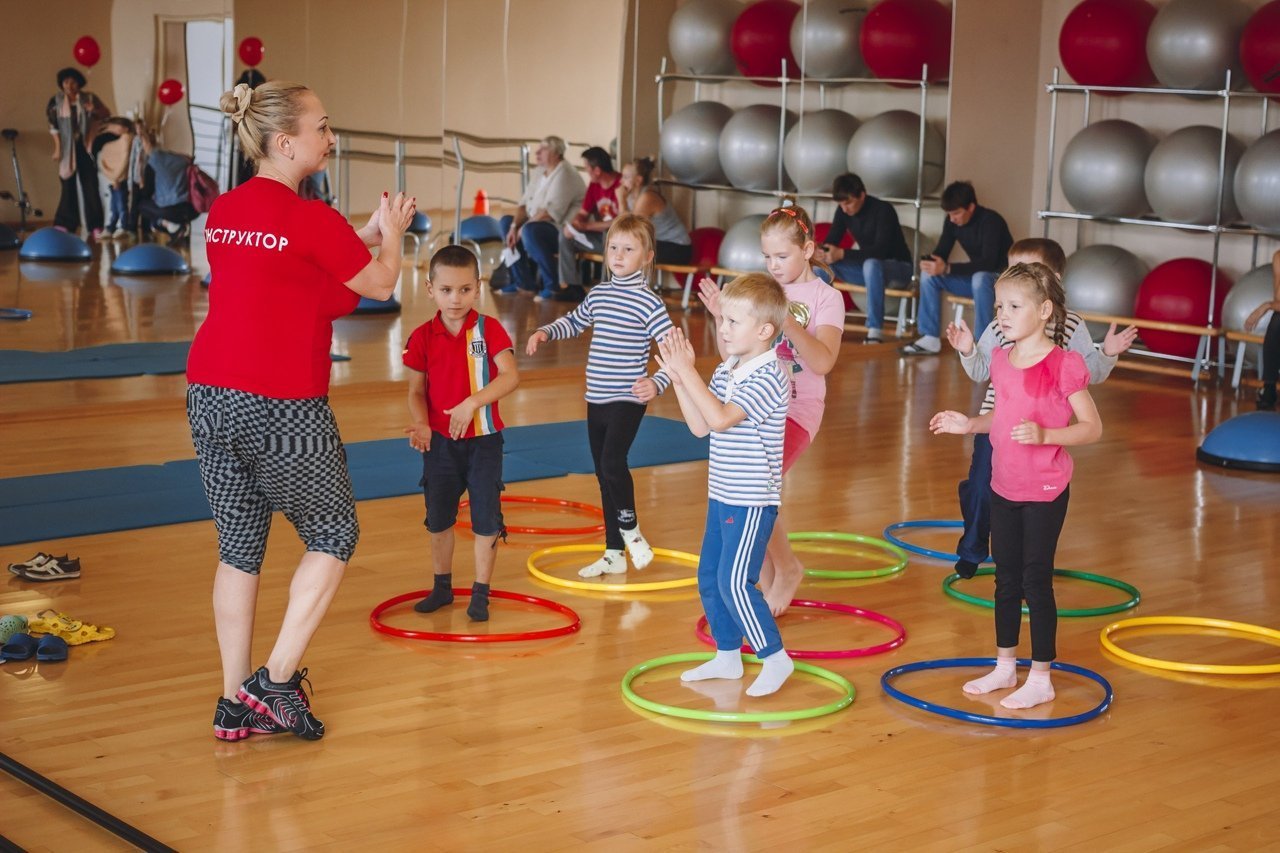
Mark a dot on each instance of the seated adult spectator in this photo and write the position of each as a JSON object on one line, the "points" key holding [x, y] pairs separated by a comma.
{"points": [[881, 255], [166, 194], [637, 194], [554, 192], [592, 220], [985, 237]]}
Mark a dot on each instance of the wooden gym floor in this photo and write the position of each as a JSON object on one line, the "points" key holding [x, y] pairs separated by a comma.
{"points": [[528, 746]]}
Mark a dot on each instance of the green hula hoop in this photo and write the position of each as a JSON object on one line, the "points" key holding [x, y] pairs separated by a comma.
{"points": [[1134, 596], [853, 574], [839, 681]]}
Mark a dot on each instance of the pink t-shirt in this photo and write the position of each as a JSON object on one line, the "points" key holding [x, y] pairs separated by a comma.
{"points": [[1033, 472], [808, 389]]}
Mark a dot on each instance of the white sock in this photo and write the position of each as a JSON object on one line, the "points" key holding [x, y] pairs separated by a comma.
{"points": [[637, 547], [610, 563], [774, 670], [726, 664], [873, 334], [1036, 690], [1004, 675], [932, 343]]}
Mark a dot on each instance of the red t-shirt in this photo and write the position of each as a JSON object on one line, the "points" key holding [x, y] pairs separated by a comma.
{"points": [[278, 267], [457, 366], [1033, 472], [602, 201]]}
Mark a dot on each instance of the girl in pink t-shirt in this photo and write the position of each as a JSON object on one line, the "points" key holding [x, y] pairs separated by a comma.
{"points": [[1039, 388], [807, 348]]}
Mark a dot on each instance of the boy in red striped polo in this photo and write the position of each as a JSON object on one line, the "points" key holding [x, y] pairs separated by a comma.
{"points": [[462, 363]]}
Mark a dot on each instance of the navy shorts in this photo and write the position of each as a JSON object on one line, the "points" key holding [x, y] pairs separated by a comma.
{"points": [[259, 454], [471, 465]]}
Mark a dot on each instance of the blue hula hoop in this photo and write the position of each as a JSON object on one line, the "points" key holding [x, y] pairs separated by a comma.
{"points": [[917, 549], [987, 719]]}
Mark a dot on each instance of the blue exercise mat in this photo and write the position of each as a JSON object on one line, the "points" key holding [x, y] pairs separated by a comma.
{"points": [[100, 362], [80, 503]]}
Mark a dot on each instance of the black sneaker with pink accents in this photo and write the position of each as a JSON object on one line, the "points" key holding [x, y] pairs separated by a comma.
{"points": [[285, 703], [236, 721]]}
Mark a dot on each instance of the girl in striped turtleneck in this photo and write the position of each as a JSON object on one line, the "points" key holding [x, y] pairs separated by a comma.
{"points": [[626, 316]]}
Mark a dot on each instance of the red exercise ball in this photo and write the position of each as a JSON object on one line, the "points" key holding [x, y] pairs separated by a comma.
{"points": [[1104, 43], [170, 92], [1177, 291], [706, 247], [820, 231], [1260, 48], [251, 51], [761, 39], [86, 51], [899, 37]]}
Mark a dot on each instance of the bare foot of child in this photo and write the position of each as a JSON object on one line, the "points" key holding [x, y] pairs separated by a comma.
{"points": [[786, 580]]}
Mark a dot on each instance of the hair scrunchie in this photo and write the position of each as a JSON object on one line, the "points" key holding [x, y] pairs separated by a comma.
{"points": [[243, 94]]}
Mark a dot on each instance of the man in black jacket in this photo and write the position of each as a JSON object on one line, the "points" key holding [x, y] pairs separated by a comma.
{"points": [[882, 254], [985, 237]]}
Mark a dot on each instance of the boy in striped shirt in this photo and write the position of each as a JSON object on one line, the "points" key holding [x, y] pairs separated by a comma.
{"points": [[461, 364], [744, 410]]}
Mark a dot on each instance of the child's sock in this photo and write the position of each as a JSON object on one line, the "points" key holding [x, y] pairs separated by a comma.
{"points": [[441, 594], [1004, 675], [612, 562], [1036, 690], [966, 568], [637, 547], [774, 670], [478, 609], [726, 664]]}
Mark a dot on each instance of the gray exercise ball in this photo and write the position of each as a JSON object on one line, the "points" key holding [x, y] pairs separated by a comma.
{"points": [[825, 39], [1192, 43], [698, 36], [1103, 280], [740, 248], [690, 142], [885, 150], [1254, 288], [1257, 182], [816, 149], [1102, 169], [1181, 178], [749, 147]]}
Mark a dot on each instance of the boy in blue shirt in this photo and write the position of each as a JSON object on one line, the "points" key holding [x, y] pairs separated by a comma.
{"points": [[745, 411]]}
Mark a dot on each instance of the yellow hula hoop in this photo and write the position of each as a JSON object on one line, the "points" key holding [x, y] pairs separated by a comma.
{"points": [[1194, 622], [682, 557]]}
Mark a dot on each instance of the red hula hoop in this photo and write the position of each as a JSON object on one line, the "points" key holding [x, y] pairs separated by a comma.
{"points": [[587, 509], [377, 624]]}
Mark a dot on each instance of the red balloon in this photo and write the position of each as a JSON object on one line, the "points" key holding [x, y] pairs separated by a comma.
{"points": [[1104, 43], [170, 92], [251, 51], [761, 39], [899, 37], [1260, 48], [706, 248], [1177, 291], [86, 51]]}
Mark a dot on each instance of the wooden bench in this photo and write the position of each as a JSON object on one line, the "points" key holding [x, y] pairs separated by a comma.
{"points": [[1206, 334], [686, 270], [903, 320]]}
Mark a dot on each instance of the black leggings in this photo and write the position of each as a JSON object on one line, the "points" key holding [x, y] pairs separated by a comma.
{"points": [[86, 174], [611, 428], [1271, 350], [1024, 538]]}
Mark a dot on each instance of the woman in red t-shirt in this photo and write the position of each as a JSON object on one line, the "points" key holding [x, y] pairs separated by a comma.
{"points": [[283, 270]]}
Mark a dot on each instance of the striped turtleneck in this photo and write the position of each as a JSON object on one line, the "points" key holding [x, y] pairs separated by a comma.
{"points": [[625, 315]]}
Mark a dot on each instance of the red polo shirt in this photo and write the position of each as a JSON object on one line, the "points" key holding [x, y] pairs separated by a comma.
{"points": [[279, 265], [457, 366]]}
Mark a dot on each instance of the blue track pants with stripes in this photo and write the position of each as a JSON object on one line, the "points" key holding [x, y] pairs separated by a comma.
{"points": [[733, 549]]}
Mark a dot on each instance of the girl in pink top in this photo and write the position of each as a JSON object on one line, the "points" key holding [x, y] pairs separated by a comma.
{"points": [[1039, 388], [807, 348]]}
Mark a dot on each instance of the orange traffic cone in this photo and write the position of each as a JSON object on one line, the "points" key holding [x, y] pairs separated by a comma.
{"points": [[482, 204]]}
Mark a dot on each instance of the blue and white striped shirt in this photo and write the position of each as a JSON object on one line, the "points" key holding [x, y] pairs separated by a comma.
{"points": [[746, 460], [625, 316]]}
